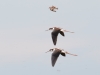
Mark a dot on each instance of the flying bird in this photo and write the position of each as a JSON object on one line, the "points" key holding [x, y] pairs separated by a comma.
{"points": [[55, 32], [52, 8], [56, 53]]}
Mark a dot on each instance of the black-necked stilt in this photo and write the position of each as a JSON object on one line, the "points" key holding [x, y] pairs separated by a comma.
{"points": [[55, 32], [56, 53], [52, 8]]}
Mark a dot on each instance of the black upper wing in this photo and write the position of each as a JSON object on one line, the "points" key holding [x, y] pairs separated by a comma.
{"points": [[55, 56], [62, 33], [63, 54], [54, 35]]}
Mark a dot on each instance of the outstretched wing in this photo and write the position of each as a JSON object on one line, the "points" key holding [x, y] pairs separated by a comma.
{"points": [[54, 57], [62, 33], [54, 37]]}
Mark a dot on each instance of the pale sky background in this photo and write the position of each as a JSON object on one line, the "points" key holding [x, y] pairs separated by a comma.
{"points": [[24, 41]]}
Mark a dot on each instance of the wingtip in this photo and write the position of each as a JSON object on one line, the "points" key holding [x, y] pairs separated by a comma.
{"points": [[52, 65], [55, 44]]}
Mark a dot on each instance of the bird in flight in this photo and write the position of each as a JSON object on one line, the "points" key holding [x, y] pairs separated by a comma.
{"points": [[56, 53], [55, 32], [52, 8]]}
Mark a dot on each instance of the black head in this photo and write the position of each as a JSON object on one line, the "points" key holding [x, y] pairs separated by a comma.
{"points": [[50, 28], [51, 49]]}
